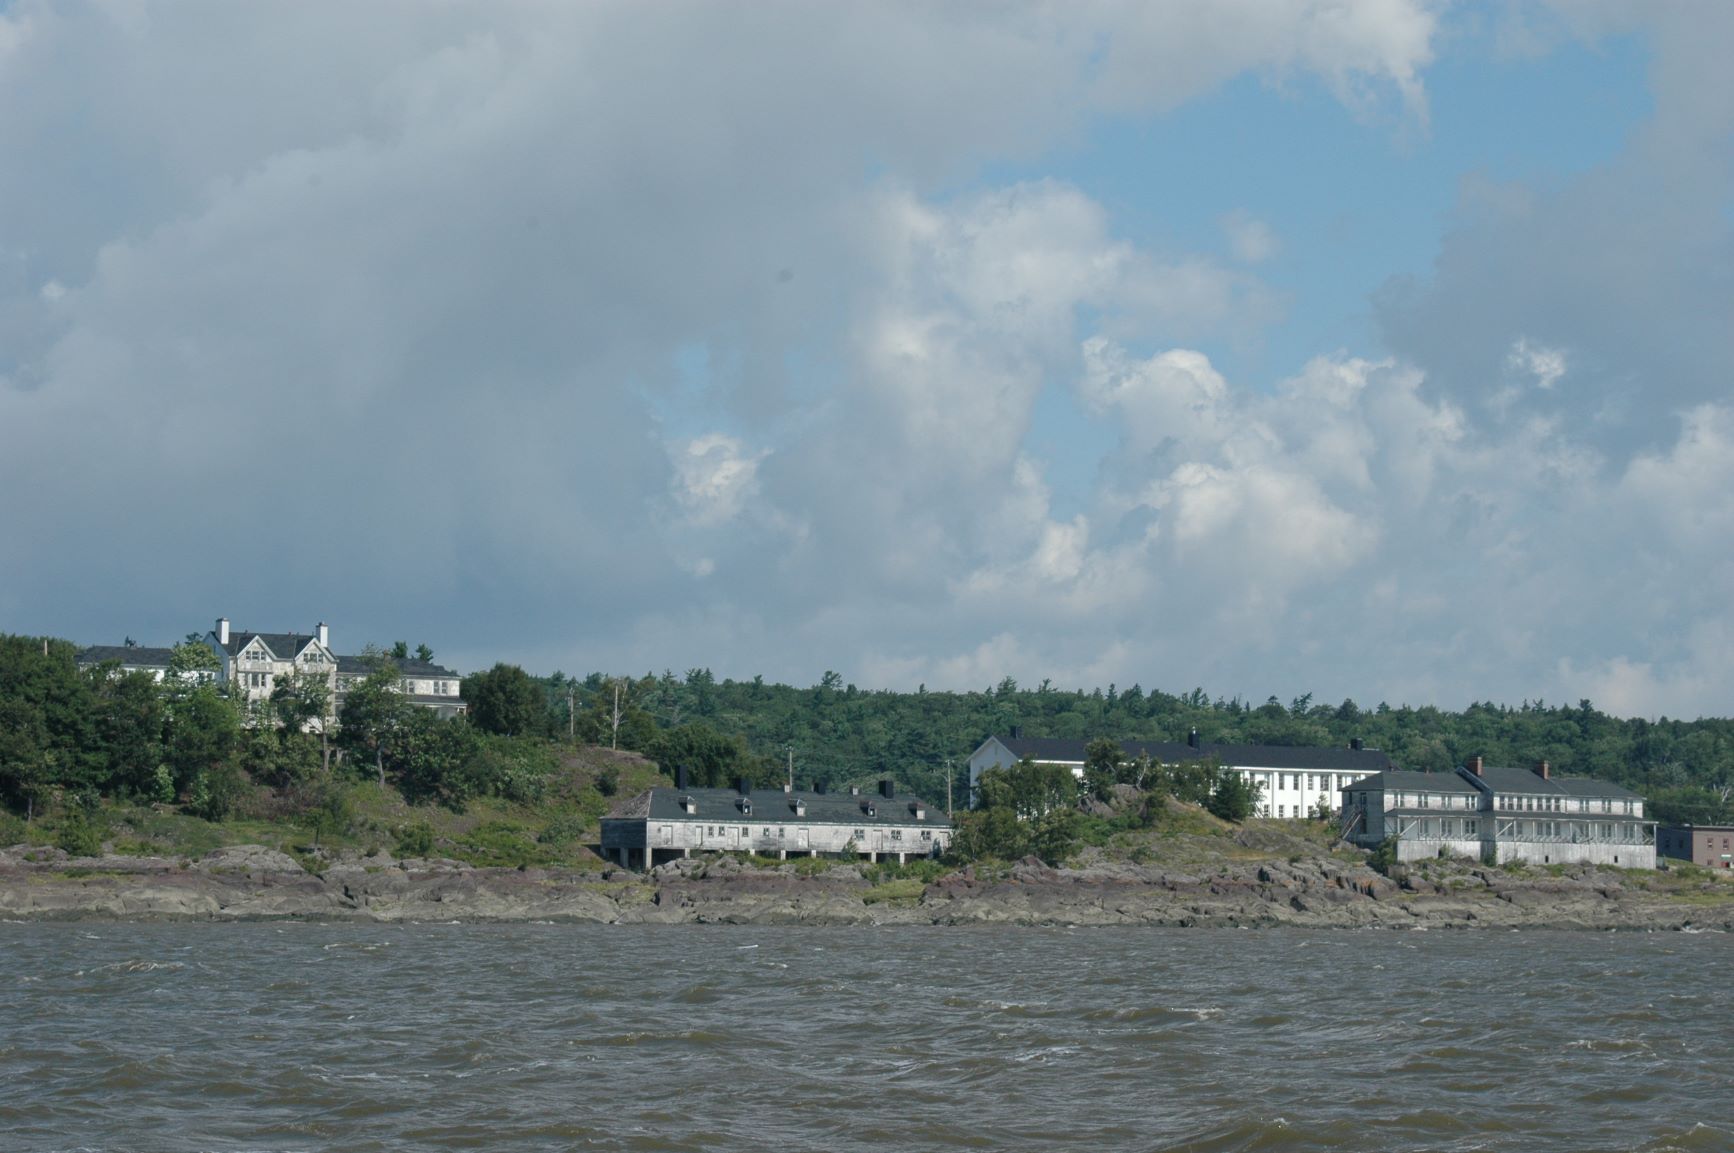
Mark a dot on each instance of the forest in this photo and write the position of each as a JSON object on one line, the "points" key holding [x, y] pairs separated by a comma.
{"points": [[96, 733]]}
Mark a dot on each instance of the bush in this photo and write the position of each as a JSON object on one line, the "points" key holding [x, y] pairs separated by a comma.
{"points": [[500, 844], [415, 840], [79, 836], [562, 831], [12, 830], [1384, 858]]}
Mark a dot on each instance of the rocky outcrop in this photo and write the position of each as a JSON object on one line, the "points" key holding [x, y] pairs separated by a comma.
{"points": [[252, 883]]}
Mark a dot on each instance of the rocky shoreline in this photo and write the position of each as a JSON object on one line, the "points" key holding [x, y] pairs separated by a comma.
{"points": [[255, 883]]}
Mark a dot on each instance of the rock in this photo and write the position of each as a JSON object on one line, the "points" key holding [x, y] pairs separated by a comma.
{"points": [[248, 859]]}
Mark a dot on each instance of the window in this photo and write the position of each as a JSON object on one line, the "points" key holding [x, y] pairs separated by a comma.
{"points": [[926, 835], [896, 834], [860, 835]]}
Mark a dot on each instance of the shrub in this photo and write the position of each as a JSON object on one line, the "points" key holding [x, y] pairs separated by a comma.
{"points": [[415, 839], [1384, 858], [79, 836]]}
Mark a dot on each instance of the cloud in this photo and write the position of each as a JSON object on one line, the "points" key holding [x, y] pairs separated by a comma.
{"points": [[714, 477], [1250, 239], [1546, 365], [385, 317]]}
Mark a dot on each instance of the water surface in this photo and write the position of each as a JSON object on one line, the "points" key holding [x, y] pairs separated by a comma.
{"points": [[553, 1037]]}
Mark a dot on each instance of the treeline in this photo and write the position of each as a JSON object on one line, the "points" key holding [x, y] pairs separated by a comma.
{"points": [[840, 734], [99, 733]]}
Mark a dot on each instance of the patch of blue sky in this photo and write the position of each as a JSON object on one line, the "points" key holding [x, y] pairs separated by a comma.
{"points": [[1351, 198]]}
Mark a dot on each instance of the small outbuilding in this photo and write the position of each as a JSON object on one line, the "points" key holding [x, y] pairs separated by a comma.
{"points": [[661, 824], [1711, 846]]}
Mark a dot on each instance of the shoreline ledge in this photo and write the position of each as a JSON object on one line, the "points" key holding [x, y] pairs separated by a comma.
{"points": [[254, 883]]}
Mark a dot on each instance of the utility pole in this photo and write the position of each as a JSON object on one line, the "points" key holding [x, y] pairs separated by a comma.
{"points": [[948, 788], [614, 737], [571, 714], [791, 751]]}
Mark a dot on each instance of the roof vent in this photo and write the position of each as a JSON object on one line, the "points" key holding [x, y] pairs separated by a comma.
{"points": [[854, 790], [1541, 769], [800, 807]]}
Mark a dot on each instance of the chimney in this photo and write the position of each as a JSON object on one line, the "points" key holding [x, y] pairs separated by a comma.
{"points": [[222, 630], [888, 788], [788, 787], [1017, 732], [1474, 765], [1192, 738], [800, 806], [745, 786], [854, 790], [324, 635], [680, 777], [1357, 744], [1541, 769]]}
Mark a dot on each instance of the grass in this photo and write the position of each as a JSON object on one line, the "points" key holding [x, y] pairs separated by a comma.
{"points": [[906, 889]]}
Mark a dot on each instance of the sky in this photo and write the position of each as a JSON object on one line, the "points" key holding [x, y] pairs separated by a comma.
{"points": [[1363, 348]]}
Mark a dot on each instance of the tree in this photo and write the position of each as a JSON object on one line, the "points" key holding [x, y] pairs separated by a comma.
{"points": [[1103, 764], [374, 711], [505, 700], [1233, 797], [710, 758], [203, 734], [399, 650], [423, 654], [130, 721]]}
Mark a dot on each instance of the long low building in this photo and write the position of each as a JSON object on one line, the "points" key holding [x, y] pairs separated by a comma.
{"points": [[1499, 815], [661, 824], [1291, 781]]}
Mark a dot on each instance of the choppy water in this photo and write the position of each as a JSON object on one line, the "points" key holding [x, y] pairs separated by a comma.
{"points": [[542, 1037]]}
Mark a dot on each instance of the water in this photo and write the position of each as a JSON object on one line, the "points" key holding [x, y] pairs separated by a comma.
{"points": [[542, 1037]]}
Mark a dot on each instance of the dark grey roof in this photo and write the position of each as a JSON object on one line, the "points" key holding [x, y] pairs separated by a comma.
{"points": [[1586, 787], [1333, 759], [1519, 781], [774, 805], [1393, 779], [362, 665], [283, 646], [1342, 760], [132, 655]]}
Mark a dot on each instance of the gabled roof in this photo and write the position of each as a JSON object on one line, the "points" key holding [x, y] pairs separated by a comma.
{"points": [[775, 806], [133, 656], [1333, 759], [283, 646]]}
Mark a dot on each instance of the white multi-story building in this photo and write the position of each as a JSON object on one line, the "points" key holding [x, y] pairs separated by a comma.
{"points": [[1291, 781], [1501, 814], [256, 662]]}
